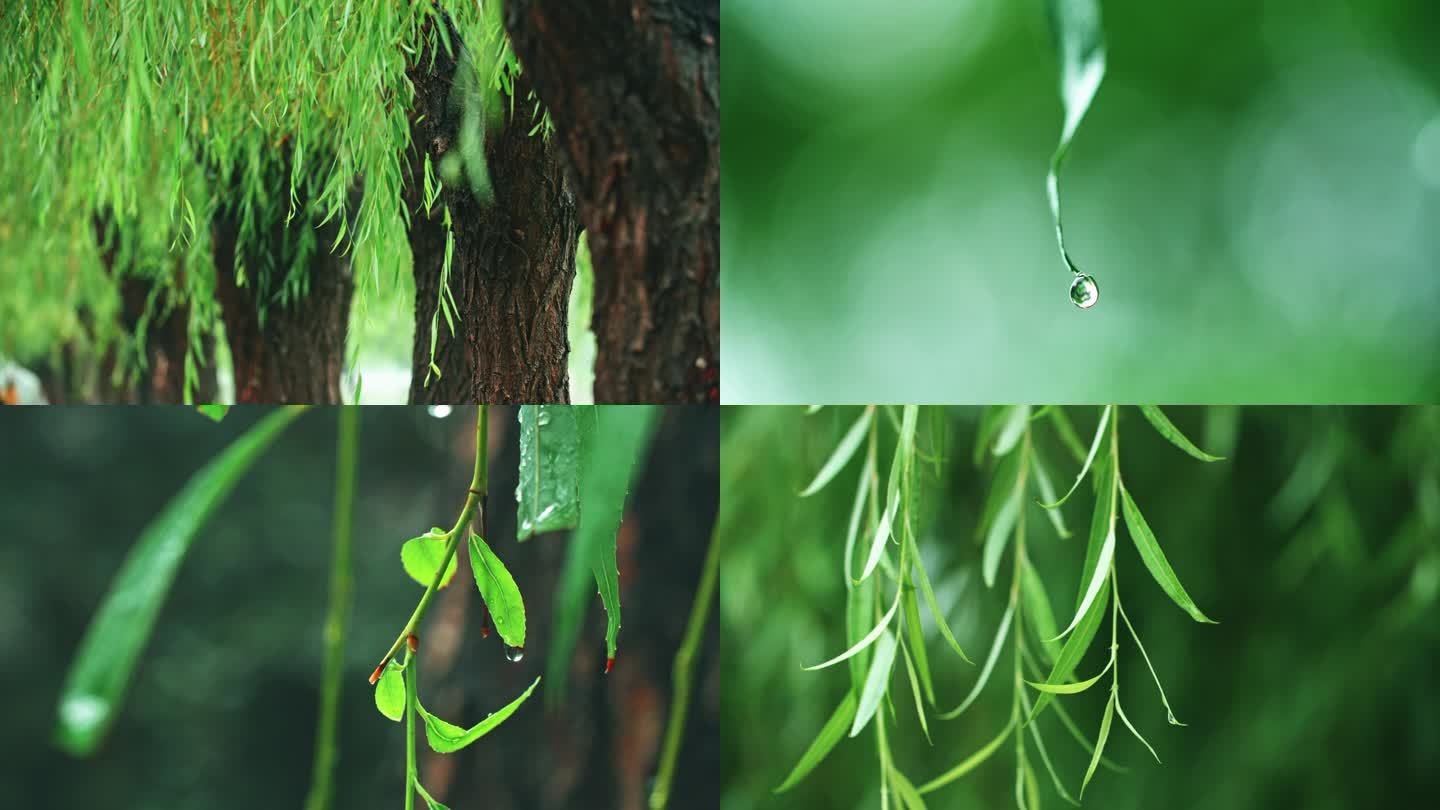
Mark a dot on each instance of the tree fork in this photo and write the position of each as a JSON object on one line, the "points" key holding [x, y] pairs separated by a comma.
{"points": [[634, 90], [513, 260]]}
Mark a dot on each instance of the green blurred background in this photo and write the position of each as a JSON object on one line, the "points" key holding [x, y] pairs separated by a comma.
{"points": [[222, 710], [1256, 189], [1315, 545]]}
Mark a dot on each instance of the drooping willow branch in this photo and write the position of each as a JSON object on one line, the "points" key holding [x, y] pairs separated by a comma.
{"points": [[475, 501]]}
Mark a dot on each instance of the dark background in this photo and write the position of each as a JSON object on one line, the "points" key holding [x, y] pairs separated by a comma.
{"points": [[222, 710], [1315, 545]]}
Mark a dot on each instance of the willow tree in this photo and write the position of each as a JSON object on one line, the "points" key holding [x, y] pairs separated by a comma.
{"points": [[178, 172]]}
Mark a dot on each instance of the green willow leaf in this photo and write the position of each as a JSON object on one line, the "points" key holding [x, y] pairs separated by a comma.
{"points": [[832, 732], [613, 438], [126, 617], [843, 453], [915, 638], [1046, 490], [498, 589], [999, 536], [1101, 549], [970, 763], [1155, 561], [934, 605], [1172, 434], [903, 449], [1074, 649], [1017, 418], [869, 638], [446, 737], [1045, 755], [1038, 611], [390, 692], [989, 667], [1099, 742], [915, 691], [1071, 688], [430, 802], [1120, 710], [909, 796], [1080, 40], [214, 412], [548, 494], [877, 682], [421, 556], [1089, 459], [1169, 712], [857, 511]]}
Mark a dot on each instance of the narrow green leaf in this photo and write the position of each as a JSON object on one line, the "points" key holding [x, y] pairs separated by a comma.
{"points": [[1046, 490], [877, 683], [1071, 688], [548, 494], [915, 638], [1101, 549], [122, 625], [1166, 428], [869, 638], [613, 438], [498, 589], [991, 418], [1066, 431], [1039, 612], [1002, 486], [1044, 754], [1016, 420], [903, 449], [857, 511], [832, 732], [421, 556], [1155, 561], [1089, 459], [934, 604], [989, 667], [1097, 581], [1169, 712], [915, 691], [842, 454], [909, 796], [1080, 41], [215, 412], [430, 802], [1074, 650], [970, 763], [445, 737], [999, 536], [390, 692], [1121, 711], [1099, 742]]}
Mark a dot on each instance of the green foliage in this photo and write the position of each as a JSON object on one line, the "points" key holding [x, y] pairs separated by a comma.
{"points": [[612, 439], [390, 692], [1080, 41], [498, 589], [447, 738], [422, 557], [548, 493], [154, 118], [121, 627]]}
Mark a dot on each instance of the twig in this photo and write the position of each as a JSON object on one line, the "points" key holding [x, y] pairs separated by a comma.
{"points": [[684, 661], [335, 621]]}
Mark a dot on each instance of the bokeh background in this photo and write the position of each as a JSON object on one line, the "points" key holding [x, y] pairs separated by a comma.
{"points": [[222, 710], [1315, 545], [1256, 189]]}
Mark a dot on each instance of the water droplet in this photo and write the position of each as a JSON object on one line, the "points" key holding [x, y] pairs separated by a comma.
{"points": [[514, 653], [83, 713], [543, 418], [439, 411], [1084, 292]]}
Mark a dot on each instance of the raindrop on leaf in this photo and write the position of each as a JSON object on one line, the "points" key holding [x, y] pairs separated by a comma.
{"points": [[514, 653]]}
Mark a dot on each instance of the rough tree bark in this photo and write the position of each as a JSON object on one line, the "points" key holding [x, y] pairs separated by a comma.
{"points": [[634, 89], [513, 261], [296, 354]]}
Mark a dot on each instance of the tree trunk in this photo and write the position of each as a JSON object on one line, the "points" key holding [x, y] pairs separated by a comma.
{"points": [[513, 260], [157, 373], [634, 90], [296, 352]]}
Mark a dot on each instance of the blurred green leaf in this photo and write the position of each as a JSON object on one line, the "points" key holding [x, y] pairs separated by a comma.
{"points": [[612, 439], [904, 446], [1166, 428], [830, 734], [909, 796], [122, 625], [1080, 40], [1038, 611], [215, 412], [549, 492], [446, 737], [1071, 688], [1089, 458], [915, 691], [498, 589], [1101, 551], [1099, 742], [422, 556], [970, 763], [390, 692], [1155, 561], [989, 667], [1074, 649], [842, 454], [877, 683], [869, 638]]}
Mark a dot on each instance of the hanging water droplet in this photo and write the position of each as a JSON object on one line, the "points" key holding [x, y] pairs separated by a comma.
{"points": [[543, 419], [517, 493], [1084, 292], [439, 411], [514, 653]]}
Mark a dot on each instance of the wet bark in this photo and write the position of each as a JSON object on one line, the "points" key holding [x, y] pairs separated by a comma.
{"points": [[634, 90], [513, 259]]}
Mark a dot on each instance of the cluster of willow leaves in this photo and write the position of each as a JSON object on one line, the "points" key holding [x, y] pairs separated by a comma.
{"points": [[576, 465], [204, 200], [891, 540]]}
